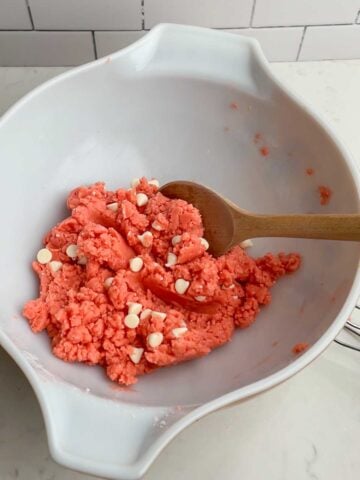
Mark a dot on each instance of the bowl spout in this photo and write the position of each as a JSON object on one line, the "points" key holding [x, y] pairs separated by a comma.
{"points": [[104, 437]]}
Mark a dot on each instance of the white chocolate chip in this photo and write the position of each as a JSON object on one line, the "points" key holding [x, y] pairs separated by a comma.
{"points": [[55, 266], [175, 240], [159, 315], [134, 307], [136, 264], [204, 243], [157, 226], [132, 320], [155, 339], [123, 211], [154, 183], [171, 260], [200, 298], [113, 206], [135, 182], [108, 282], [72, 250], [82, 260], [246, 244], [181, 285], [146, 239], [141, 199], [178, 332], [145, 314], [136, 354], [44, 256]]}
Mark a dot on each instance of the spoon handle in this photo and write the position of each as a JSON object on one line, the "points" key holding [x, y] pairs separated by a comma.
{"points": [[331, 226]]}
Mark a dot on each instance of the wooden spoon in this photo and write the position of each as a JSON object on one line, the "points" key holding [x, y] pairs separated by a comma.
{"points": [[227, 225]]}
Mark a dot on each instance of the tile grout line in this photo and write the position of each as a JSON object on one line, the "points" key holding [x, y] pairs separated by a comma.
{"points": [[286, 26], [30, 14], [301, 44], [252, 14], [143, 14], [94, 44], [62, 31], [269, 27]]}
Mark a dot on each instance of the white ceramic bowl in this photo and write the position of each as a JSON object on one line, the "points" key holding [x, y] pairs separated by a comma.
{"points": [[160, 108]]}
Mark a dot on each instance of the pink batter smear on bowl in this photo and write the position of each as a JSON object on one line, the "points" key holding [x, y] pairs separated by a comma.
{"points": [[325, 194], [257, 138], [300, 348], [126, 282], [263, 150]]}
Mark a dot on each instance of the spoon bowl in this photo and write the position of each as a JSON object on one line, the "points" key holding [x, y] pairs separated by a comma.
{"points": [[227, 225], [215, 211]]}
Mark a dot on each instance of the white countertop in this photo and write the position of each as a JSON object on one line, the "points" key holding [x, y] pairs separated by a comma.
{"points": [[306, 428]]}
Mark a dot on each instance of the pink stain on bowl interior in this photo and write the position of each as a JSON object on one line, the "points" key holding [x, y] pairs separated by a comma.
{"points": [[325, 194], [264, 151], [257, 138], [300, 348]]}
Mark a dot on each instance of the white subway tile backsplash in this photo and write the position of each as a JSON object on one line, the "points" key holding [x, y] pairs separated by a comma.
{"points": [[208, 13], [14, 15], [86, 14], [304, 12], [67, 32], [278, 44], [333, 42], [45, 48], [109, 42]]}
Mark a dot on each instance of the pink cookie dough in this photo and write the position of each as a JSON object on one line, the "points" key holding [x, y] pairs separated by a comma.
{"points": [[110, 293]]}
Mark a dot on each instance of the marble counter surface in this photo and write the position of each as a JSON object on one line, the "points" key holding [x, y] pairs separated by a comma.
{"points": [[306, 428]]}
